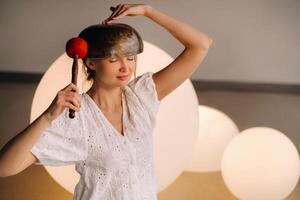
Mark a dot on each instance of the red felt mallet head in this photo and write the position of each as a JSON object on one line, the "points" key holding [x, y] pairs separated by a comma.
{"points": [[76, 48]]}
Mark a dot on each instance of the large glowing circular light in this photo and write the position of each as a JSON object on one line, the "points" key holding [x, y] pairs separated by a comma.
{"points": [[216, 130], [261, 164], [177, 119]]}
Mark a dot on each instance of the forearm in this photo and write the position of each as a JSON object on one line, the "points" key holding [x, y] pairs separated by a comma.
{"points": [[187, 35], [12, 155]]}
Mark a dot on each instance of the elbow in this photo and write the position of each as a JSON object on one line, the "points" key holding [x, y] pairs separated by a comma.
{"points": [[2, 172], [5, 171], [203, 44], [206, 44], [210, 41]]}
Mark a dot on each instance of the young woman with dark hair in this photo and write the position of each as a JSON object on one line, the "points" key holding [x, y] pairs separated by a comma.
{"points": [[110, 139]]}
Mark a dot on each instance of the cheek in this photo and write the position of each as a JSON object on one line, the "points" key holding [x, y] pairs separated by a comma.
{"points": [[107, 70], [133, 66]]}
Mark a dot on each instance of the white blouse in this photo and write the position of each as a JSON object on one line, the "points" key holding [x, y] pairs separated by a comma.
{"points": [[111, 166]]}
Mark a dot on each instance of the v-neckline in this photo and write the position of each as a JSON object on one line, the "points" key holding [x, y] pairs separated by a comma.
{"points": [[106, 120]]}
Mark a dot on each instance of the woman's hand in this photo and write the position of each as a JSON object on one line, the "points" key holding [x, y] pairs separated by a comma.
{"points": [[123, 10], [67, 97]]}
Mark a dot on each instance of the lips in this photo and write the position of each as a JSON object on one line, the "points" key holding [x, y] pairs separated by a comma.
{"points": [[122, 77]]}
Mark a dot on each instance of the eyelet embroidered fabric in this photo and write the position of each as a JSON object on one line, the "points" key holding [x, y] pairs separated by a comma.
{"points": [[111, 166]]}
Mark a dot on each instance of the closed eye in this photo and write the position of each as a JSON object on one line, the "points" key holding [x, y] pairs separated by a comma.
{"points": [[115, 60], [112, 61]]}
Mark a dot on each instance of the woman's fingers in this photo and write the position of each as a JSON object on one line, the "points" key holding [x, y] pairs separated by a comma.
{"points": [[121, 14], [71, 87], [126, 10], [115, 10], [112, 8], [67, 97], [69, 105], [122, 9], [75, 99], [70, 94]]}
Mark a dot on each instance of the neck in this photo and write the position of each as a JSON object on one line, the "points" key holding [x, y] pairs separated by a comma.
{"points": [[107, 98]]}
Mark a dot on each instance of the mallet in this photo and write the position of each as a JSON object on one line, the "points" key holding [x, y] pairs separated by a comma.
{"points": [[76, 48]]}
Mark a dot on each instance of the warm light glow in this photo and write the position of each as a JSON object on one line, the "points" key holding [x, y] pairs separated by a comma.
{"points": [[216, 130], [177, 120], [261, 164]]}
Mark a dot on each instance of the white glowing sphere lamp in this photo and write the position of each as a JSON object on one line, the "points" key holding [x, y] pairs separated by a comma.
{"points": [[216, 130], [261, 163]]}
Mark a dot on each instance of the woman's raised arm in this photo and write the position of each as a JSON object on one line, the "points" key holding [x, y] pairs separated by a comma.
{"points": [[196, 45]]}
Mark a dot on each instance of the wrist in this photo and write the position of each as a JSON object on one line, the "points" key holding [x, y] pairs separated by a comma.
{"points": [[47, 117], [148, 10]]}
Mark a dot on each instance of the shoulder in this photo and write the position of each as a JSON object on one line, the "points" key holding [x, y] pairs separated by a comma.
{"points": [[143, 81], [144, 89]]}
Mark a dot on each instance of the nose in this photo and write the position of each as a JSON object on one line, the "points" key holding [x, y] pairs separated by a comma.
{"points": [[124, 64]]}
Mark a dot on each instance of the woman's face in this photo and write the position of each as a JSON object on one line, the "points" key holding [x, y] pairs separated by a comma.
{"points": [[115, 71]]}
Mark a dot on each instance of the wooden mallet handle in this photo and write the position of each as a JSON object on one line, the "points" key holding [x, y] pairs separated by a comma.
{"points": [[74, 80]]}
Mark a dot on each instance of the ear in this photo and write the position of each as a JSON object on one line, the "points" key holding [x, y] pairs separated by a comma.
{"points": [[90, 64]]}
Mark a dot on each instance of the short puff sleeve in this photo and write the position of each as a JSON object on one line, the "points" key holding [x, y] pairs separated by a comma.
{"points": [[145, 89], [63, 142]]}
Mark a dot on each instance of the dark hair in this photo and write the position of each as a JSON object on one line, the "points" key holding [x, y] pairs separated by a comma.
{"points": [[101, 38]]}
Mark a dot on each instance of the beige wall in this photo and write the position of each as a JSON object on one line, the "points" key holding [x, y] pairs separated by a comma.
{"points": [[255, 41]]}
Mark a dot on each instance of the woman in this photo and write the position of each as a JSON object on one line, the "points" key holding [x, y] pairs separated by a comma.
{"points": [[110, 138]]}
